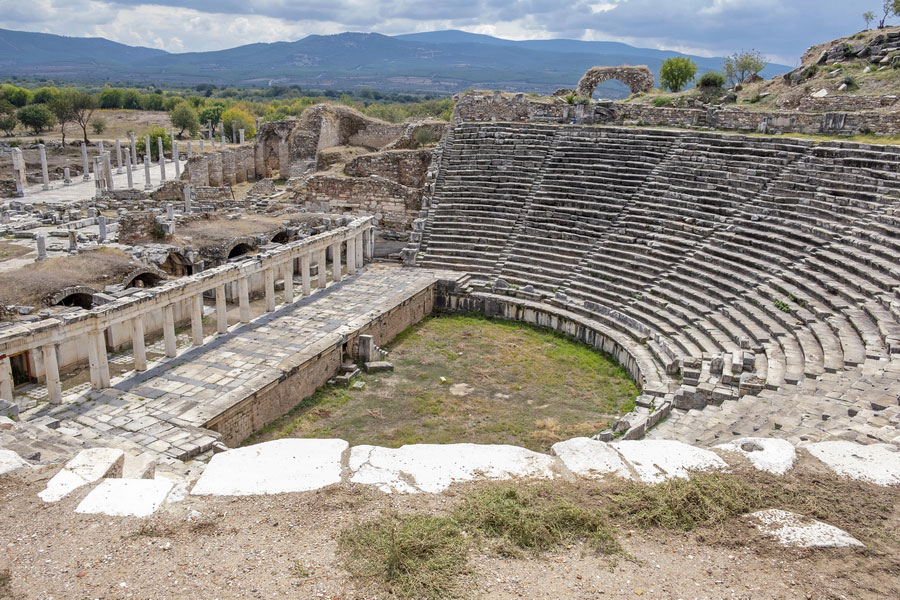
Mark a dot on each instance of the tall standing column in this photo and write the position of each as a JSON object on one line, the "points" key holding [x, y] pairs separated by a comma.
{"points": [[323, 269], [270, 288], [336, 274], [175, 160], [133, 149], [244, 299], [99, 363], [304, 274], [6, 379], [162, 160], [289, 282], [118, 157], [169, 331], [197, 320], [359, 242], [44, 173], [148, 150], [109, 177], [351, 255], [147, 185], [221, 310], [137, 339], [190, 151], [84, 160], [128, 172], [51, 372]]}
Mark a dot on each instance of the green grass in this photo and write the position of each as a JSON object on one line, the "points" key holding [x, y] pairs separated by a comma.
{"points": [[526, 386]]}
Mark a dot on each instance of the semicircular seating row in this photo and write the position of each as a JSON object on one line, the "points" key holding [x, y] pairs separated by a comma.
{"points": [[703, 241]]}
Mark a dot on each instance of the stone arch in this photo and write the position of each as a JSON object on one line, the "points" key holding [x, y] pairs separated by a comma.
{"points": [[281, 237], [177, 265], [638, 79], [144, 277], [73, 295], [240, 247]]}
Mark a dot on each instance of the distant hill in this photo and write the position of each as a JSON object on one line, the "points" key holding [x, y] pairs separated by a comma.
{"points": [[439, 61]]}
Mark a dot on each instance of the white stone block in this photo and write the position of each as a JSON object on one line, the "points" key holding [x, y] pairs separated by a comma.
{"points": [[875, 463], [87, 467], [281, 466], [590, 458], [10, 461], [142, 466], [432, 468], [791, 529], [126, 497], [766, 454], [657, 460]]}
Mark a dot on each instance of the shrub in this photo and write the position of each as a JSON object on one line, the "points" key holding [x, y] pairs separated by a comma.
{"points": [[850, 82], [234, 118], [676, 72], [211, 114], [98, 125], [131, 99], [111, 98], [811, 72], [660, 102], [15, 95], [424, 136], [8, 118], [154, 133], [36, 117], [45, 94], [711, 80], [741, 65], [152, 101]]}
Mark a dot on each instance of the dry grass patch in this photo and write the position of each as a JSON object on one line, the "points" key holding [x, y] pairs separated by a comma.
{"points": [[96, 269]]}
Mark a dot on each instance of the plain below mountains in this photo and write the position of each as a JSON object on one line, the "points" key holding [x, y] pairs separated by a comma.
{"points": [[438, 62]]}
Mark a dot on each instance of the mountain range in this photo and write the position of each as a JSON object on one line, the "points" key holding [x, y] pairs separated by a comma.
{"points": [[437, 62]]}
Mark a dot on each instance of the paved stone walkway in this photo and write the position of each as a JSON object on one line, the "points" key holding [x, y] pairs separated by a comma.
{"points": [[163, 409]]}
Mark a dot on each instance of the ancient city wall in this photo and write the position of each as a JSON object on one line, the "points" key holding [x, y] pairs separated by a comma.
{"points": [[406, 167]]}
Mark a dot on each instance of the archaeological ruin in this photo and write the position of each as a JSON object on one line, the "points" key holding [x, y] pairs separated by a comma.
{"points": [[158, 313]]}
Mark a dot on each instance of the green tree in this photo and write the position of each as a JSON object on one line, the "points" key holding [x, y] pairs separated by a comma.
{"points": [[36, 117], [83, 107], [8, 118], [676, 72], [61, 107], [741, 65], [211, 114], [155, 133], [16, 96], [110, 98], [45, 94], [152, 101], [234, 118], [185, 116], [868, 17], [98, 125], [891, 8]]}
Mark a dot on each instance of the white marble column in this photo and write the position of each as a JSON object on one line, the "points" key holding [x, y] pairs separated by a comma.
{"points": [[128, 171], [336, 274], [169, 331], [304, 274], [84, 160], [323, 269], [175, 160], [133, 149], [147, 185], [44, 173], [289, 282], [137, 338], [351, 255], [244, 299], [197, 320], [118, 157], [360, 243], [269, 275], [51, 372], [99, 363], [162, 160], [221, 310], [6, 379]]}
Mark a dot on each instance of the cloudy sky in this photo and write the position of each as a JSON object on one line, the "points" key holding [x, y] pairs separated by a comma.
{"points": [[782, 29]]}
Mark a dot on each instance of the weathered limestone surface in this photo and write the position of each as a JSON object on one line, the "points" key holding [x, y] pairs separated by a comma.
{"points": [[290, 465], [590, 458], [10, 462], [766, 454], [86, 467], [876, 463], [638, 79], [657, 460], [126, 497], [791, 529]]}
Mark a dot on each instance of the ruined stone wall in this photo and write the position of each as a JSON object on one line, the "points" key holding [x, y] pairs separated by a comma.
{"points": [[407, 167], [303, 374], [478, 106], [846, 103], [376, 135], [407, 140], [225, 167], [136, 226], [393, 205]]}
